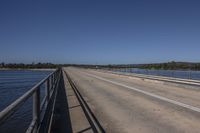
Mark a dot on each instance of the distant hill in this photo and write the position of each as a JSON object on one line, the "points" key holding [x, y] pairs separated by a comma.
{"points": [[27, 66], [164, 66]]}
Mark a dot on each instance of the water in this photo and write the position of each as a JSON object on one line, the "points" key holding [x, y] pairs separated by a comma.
{"points": [[13, 84], [167, 73]]}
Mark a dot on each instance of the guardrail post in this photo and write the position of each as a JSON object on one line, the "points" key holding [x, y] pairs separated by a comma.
{"points": [[51, 82], [47, 92], [36, 108], [53, 79]]}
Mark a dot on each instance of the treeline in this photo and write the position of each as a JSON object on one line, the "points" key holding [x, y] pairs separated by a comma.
{"points": [[164, 66], [172, 66], [41, 65], [27, 66]]}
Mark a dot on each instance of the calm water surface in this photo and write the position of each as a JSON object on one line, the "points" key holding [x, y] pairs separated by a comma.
{"points": [[13, 84]]}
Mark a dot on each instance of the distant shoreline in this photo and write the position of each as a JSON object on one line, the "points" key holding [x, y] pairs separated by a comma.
{"points": [[33, 69]]}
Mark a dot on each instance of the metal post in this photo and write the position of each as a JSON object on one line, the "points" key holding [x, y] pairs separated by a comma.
{"points": [[36, 109], [47, 92], [52, 81], [54, 78], [50, 84]]}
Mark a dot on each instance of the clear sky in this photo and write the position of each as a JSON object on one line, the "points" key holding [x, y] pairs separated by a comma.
{"points": [[99, 31]]}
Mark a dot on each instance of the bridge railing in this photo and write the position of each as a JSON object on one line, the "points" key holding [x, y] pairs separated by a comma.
{"points": [[189, 82], [50, 82]]}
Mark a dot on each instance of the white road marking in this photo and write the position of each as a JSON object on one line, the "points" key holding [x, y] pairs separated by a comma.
{"points": [[196, 109]]}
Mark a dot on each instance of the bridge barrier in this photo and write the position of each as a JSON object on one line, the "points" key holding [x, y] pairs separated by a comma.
{"points": [[50, 82]]}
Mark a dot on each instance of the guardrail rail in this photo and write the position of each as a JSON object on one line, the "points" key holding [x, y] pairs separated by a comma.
{"points": [[51, 84], [154, 77]]}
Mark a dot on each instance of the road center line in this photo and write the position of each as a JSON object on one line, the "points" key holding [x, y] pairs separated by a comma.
{"points": [[148, 93]]}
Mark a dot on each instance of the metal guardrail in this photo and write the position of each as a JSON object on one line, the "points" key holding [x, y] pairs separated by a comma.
{"points": [[51, 82], [189, 74], [159, 78]]}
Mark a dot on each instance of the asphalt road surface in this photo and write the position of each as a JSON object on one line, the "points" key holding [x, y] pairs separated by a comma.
{"points": [[125, 104]]}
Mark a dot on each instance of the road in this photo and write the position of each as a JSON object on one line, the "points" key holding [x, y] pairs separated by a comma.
{"points": [[125, 104]]}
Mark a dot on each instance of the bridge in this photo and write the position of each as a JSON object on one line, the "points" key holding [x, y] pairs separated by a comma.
{"points": [[98, 101]]}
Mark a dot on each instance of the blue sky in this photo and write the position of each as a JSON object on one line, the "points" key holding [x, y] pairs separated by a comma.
{"points": [[99, 32]]}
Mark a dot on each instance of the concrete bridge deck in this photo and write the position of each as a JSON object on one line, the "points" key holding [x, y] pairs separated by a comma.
{"points": [[105, 102]]}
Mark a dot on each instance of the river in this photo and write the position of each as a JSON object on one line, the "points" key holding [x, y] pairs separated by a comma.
{"points": [[13, 84]]}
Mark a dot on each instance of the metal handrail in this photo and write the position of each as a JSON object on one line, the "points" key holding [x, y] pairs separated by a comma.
{"points": [[163, 77], [159, 78], [51, 80]]}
